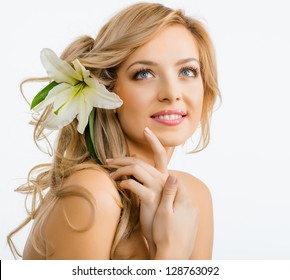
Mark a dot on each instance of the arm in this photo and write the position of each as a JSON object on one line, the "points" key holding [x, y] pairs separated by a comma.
{"points": [[77, 229]]}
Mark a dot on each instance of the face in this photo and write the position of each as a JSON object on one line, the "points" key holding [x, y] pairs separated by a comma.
{"points": [[161, 86]]}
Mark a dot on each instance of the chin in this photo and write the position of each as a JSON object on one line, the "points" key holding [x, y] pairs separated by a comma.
{"points": [[175, 136], [172, 141]]}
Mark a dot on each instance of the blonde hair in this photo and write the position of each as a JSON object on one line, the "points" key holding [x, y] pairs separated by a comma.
{"points": [[116, 41]]}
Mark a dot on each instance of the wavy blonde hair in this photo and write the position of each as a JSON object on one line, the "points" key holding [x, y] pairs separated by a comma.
{"points": [[116, 41]]}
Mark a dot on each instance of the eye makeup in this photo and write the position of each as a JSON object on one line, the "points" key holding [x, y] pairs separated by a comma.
{"points": [[189, 71], [142, 74]]}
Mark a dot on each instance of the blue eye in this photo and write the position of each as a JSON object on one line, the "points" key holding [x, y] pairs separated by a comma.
{"points": [[188, 72], [143, 74]]}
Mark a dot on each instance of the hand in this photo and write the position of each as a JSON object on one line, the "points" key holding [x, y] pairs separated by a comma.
{"points": [[148, 181], [175, 223]]}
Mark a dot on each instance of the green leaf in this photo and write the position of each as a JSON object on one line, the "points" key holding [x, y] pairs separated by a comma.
{"points": [[42, 94], [89, 137], [91, 126]]}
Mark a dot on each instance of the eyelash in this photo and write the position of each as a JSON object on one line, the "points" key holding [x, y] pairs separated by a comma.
{"points": [[140, 71], [194, 70]]}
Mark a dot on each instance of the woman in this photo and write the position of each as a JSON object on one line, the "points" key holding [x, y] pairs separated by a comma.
{"points": [[110, 194]]}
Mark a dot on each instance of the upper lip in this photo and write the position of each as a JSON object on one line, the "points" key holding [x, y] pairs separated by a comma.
{"points": [[169, 112]]}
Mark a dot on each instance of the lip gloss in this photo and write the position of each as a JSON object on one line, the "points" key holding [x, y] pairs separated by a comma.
{"points": [[169, 117]]}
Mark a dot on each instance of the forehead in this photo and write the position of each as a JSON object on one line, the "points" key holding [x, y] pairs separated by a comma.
{"points": [[173, 43]]}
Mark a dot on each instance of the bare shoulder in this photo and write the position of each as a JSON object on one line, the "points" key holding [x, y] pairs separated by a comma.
{"points": [[96, 182], [194, 186], [84, 220], [201, 198]]}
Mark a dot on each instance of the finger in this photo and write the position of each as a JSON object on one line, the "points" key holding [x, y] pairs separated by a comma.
{"points": [[182, 196], [169, 194], [134, 170], [160, 156], [126, 161], [137, 188]]}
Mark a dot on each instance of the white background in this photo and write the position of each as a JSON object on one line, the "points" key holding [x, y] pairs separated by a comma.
{"points": [[246, 165]]}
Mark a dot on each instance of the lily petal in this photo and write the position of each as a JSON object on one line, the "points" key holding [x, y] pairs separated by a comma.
{"points": [[100, 97], [64, 117], [63, 97], [74, 95], [81, 69], [57, 69], [55, 96], [51, 122], [83, 116]]}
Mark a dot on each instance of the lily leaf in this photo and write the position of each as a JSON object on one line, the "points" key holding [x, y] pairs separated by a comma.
{"points": [[89, 137], [42, 94]]}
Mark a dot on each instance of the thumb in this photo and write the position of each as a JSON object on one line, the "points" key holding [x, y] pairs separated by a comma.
{"points": [[169, 193]]}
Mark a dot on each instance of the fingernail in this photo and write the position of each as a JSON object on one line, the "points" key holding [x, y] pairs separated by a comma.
{"points": [[148, 131], [112, 173], [171, 179], [109, 159]]}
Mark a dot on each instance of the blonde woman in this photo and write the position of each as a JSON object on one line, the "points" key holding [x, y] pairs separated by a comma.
{"points": [[122, 102]]}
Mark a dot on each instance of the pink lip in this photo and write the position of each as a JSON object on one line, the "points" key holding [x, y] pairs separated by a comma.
{"points": [[169, 112]]}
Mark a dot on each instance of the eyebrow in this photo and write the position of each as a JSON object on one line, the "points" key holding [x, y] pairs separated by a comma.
{"points": [[152, 63]]}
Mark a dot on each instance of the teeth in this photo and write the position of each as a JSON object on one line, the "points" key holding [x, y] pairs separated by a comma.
{"points": [[169, 117]]}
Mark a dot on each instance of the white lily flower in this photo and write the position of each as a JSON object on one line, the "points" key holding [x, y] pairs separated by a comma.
{"points": [[75, 94]]}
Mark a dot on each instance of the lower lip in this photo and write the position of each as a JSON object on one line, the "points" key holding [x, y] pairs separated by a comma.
{"points": [[169, 122]]}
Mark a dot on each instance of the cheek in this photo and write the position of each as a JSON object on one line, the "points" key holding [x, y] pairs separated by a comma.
{"points": [[132, 114], [133, 106], [199, 102], [136, 100], [195, 99]]}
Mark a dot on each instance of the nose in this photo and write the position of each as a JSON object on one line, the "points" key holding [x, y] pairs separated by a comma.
{"points": [[169, 90]]}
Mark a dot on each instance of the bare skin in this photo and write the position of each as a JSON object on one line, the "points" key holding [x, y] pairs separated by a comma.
{"points": [[176, 220], [71, 245], [62, 242]]}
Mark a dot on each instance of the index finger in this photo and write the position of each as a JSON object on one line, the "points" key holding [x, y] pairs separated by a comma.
{"points": [[160, 156]]}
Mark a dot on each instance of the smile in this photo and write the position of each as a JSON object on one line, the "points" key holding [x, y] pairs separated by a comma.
{"points": [[169, 117]]}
